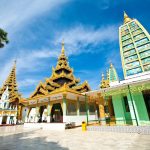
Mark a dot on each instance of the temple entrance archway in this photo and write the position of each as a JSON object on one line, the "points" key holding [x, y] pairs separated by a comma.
{"points": [[4, 120], [146, 95], [41, 119], [56, 113]]}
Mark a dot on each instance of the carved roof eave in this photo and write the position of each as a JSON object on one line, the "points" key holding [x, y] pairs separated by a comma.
{"points": [[63, 75], [65, 89], [82, 86], [40, 85], [72, 83], [104, 84], [64, 67], [43, 91], [62, 56], [52, 83], [23, 101], [48, 87], [14, 97]]}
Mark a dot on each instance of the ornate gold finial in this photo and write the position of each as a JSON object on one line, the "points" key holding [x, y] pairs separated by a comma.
{"points": [[107, 74], [63, 49], [102, 76], [111, 65], [15, 62], [126, 18]]}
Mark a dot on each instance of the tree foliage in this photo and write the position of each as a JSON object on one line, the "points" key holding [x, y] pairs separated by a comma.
{"points": [[3, 38]]}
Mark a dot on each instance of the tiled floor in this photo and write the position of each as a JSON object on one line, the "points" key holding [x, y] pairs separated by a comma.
{"points": [[18, 138]]}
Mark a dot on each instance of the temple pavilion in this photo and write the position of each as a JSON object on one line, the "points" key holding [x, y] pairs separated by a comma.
{"points": [[10, 110], [60, 98]]}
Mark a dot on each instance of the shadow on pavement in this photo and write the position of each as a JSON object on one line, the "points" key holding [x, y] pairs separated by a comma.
{"points": [[28, 141]]}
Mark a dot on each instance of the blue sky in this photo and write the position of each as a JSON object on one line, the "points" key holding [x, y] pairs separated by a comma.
{"points": [[89, 28]]}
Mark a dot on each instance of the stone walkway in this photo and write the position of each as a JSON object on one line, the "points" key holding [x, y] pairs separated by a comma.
{"points": [[19, 138]]}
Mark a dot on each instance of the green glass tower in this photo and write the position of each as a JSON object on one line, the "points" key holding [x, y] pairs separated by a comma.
{"points": [[134, 47]]}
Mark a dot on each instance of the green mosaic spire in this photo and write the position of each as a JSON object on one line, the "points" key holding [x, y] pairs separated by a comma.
{"points": [[113, 76]]}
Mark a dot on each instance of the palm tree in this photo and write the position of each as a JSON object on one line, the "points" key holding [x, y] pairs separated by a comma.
{"points": [[3, 38]]}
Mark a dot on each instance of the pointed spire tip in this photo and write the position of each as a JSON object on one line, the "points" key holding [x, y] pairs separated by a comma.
{"points": [[126, 18], [63, 46]]}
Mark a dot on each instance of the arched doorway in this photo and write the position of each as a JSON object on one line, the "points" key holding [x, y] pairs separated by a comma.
{"points": [[56, 113], [4, 120], [41, 113]]}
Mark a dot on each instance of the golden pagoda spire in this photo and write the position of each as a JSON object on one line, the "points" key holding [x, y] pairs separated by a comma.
{"points": [[63, 47], [126, 18], [111, 65], [107, 74], [102, 76], [12, 75], [102, 81], [11, 83], [113, 76]]}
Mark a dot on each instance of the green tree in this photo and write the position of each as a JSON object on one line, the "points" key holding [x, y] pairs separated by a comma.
{"points": [[3, 38]]}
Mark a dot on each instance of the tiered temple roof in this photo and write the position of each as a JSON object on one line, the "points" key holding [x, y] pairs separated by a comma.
{"points": [[104, 82], [12, 86], [61, 74], [112, 76]]}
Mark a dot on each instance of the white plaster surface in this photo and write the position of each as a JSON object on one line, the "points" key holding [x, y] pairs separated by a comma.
{"points": [[46, 126], [78, 119], [19, 138]]}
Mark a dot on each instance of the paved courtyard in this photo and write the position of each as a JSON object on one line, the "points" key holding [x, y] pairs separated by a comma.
{"points": [[19, 138]]}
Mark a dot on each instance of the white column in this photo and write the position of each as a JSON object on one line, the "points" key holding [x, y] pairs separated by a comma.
{"points": [[15, 120], [1, 118], [26, 119], [8, 120], [37, 114], [78, 107], [48, 112], [48, 118]]}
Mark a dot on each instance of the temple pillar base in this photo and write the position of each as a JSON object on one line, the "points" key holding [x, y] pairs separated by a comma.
{"points": [[36, 119], [8, 120], [48, 119], [15, 120], [1, 120], [26, 119], [103, 121]]}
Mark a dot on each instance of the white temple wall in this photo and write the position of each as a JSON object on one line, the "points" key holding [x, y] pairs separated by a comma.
{"points": [[25, 111], [1, 119], [32, 115], [8, 120], [78, 119]]}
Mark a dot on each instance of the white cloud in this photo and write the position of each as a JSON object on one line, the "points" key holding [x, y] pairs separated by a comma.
{"points": [[34, 60], [26, 63], [76, 40], [16, 13], [5, 70], [79, 37], [28, 83], [114, 58]]}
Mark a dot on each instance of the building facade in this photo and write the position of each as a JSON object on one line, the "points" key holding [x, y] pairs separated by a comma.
{"points": [[127, 102], [10, 110], [61, 98], [134, 47]]}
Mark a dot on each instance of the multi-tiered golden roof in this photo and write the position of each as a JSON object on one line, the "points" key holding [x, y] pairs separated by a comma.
{"points": [[10, 82], [61, 74]]}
